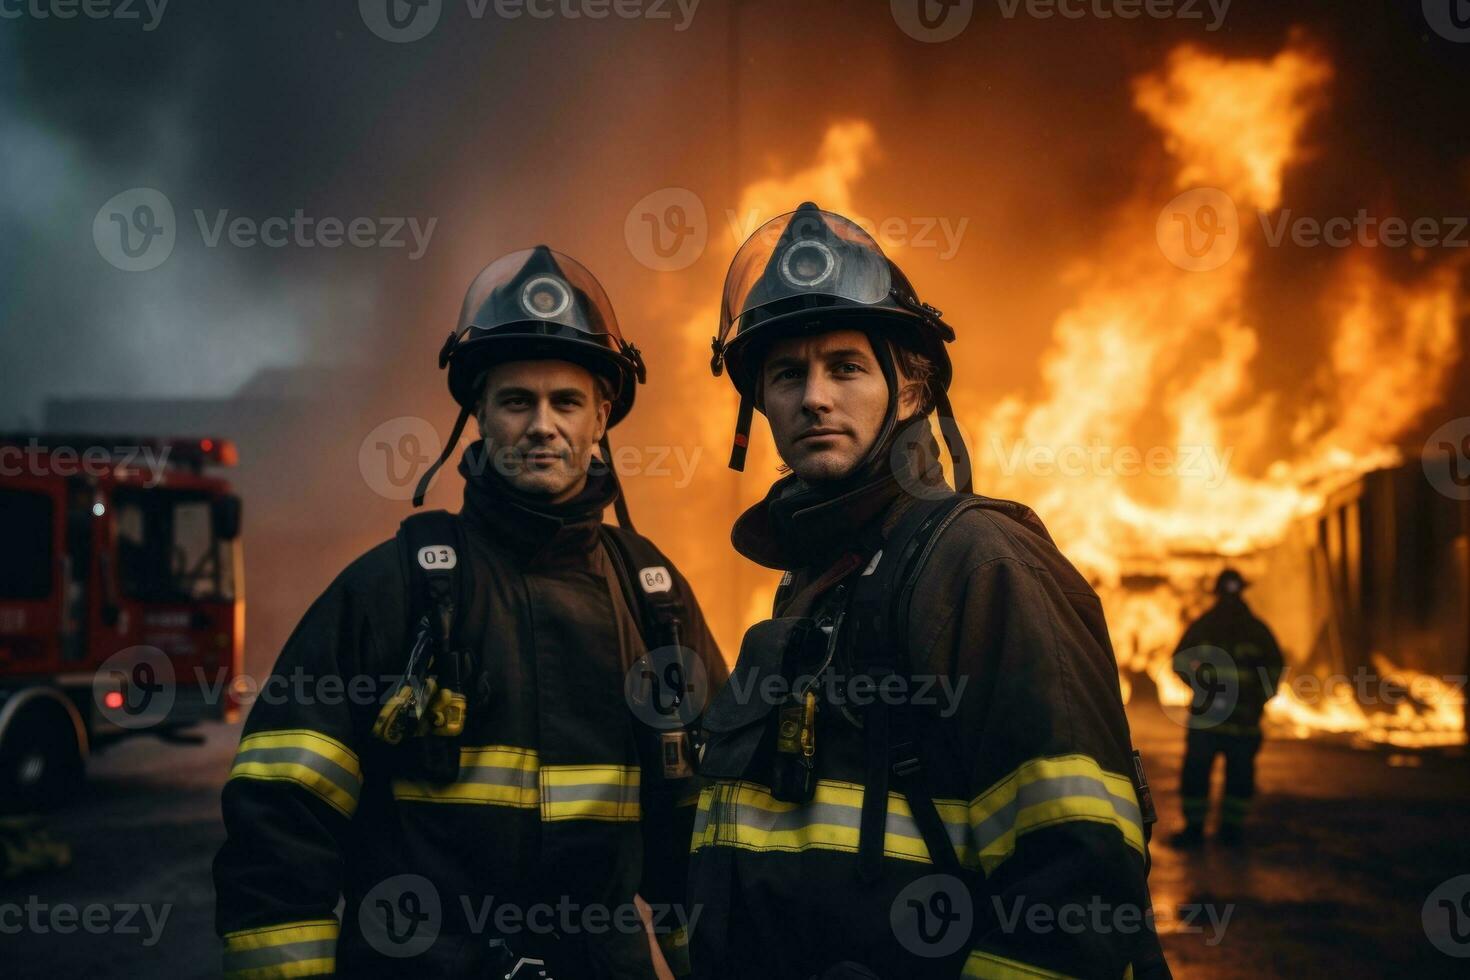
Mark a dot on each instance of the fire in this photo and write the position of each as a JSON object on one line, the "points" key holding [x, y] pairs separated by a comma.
{"points": [[1154, 360], [1153, 355]]}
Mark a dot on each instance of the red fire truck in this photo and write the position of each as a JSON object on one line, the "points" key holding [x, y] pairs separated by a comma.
{"points": [[122, 606]]}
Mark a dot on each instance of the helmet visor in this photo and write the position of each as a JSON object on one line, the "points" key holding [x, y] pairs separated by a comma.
{"points": [[538, 291], [806, 259]]}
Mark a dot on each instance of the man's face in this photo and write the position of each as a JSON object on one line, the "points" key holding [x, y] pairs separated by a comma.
{"points": [[825, 398], [540, 421]]}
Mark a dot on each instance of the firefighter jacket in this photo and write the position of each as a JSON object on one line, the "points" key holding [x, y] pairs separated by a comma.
{"points": [[1024, 744], [536, 850], [1232, 663]]}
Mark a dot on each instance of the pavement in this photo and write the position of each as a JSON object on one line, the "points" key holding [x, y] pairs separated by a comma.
{"points": [[1347, 843]]}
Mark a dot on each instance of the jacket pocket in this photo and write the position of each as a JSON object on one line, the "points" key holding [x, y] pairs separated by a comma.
{"points": [[734, 724]]}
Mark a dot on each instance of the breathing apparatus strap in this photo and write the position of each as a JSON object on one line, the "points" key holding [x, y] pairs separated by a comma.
{"points": [[449, 446]]}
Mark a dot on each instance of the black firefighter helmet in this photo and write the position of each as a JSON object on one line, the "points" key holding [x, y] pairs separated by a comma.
{"points": [[536, 304], [1230, 582], [810, 271]]}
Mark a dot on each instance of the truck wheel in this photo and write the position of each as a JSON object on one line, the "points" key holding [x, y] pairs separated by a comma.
{"points": [[40, 761]]}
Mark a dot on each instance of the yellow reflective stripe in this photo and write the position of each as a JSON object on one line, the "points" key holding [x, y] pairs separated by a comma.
{"points": [[1043, 792], [745, 815], [500, 775], [291, 949], [675, 947], [606, 792], [992, 967], [314, 761]]}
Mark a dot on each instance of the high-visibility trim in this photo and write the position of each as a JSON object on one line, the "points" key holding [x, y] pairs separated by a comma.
{"points": [[992, 967], [291, 949], [745, 815], [606, 792], [314, 761], [1203, 723], [1044, 792], [1234, 810], [1194, 806], [675, 947], [497, 775]]}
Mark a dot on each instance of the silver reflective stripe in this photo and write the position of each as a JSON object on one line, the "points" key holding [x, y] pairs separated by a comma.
{"points": [[239, 961], [347, 781], [525, 779], [762, 819], [585, 792], [1003, 821]]}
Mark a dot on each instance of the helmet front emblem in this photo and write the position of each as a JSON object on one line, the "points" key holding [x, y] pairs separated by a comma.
{"points": [[545, 297], [808, 263]]}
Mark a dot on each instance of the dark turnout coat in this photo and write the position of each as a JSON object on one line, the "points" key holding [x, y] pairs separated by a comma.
{"points": [[1233, 664], [1027, 753], [553, 824]]}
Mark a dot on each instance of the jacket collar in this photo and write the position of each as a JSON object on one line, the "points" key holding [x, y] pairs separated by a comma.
{"points": [[800, 526], [527, 525]]}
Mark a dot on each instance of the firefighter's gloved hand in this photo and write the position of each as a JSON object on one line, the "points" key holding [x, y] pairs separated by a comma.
{"points": [[848, 970]]}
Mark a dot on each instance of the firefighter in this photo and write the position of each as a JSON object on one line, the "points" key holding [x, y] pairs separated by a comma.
{"points": [[1232, 663], [911, 774], [491, 804]]}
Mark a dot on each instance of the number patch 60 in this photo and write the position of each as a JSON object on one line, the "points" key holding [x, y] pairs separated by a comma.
{"points": [[655, 578]]}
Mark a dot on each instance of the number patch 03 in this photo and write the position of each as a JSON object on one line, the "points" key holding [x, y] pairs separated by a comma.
{"points": [[437, 557]]}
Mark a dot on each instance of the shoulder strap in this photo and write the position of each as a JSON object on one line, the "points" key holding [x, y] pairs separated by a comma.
{"points": [[431, 549], [878, 618], [435, 560], [648, 586]]}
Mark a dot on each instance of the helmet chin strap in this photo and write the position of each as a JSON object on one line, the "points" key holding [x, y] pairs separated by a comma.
{"points": [[453, 440], [741, 443], [620, 502], [959, 456]]}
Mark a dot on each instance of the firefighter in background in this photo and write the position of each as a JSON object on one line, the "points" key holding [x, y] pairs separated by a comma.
{"points": [[905, 835], [495, 763], [1232, 664]]}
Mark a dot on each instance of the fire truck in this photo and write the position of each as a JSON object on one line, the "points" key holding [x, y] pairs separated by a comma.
{"points": [[122, 607]]}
